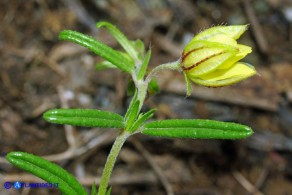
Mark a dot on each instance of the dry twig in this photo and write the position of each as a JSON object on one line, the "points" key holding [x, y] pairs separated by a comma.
{"points": [[154, 166], [256, 28], [246, 184]]}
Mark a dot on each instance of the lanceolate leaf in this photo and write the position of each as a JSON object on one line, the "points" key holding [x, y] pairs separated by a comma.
{"points": [[109, 191], [133, 101], [139, 47], [188, 84], [104, 65], [98, 48], [142, 119], [153, 87], [85, 118], [48, 171], [133, 112], [202, 129], [93, 189], [120, 37], [144, 65]]}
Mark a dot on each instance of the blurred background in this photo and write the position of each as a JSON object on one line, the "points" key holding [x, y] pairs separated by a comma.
{"points": [[38, 72]]}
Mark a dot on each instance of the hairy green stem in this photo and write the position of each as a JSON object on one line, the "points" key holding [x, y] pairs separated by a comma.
{"points": [[142, 86], [170, 66], [110, 162], [142, 92]]}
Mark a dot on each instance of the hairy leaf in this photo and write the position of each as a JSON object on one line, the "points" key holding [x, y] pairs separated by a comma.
{"points": [[144, 65], [98, 48], [202, 129], [84, 117], [133, 112], [93, 189], [120, 37], [104, 65], [109, 191], [48, 171], [139, 47], [133, 101], [142, 118], [153, 87]]}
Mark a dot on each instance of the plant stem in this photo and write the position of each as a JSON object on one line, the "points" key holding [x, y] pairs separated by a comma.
{"points": [[110, 162], [142, 92], [170, 66], [142, 87]]}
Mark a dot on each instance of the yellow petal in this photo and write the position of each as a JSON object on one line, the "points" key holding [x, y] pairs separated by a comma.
{"points": [[208, 64], [195, 57], [241, 53], [225, 77], [234, 32], [222, 38], [196, 45], [201, 57]]}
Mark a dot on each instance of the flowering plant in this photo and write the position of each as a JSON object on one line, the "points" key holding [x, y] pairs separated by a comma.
{"points": [[210, 59]]}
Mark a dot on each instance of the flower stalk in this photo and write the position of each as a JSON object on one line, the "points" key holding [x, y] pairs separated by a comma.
{"points": [[167, 66]]}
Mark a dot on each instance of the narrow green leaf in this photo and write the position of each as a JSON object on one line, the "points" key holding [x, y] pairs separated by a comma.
{"points": [[120, 37], [98, 48], [84, 117], [109, 191], [142, 119], [134, 99], [139, 47], [104, 65], [132, 114], [188, 84], [153, 87], [48, 171], [93, 189], [202, 129], [131, 88], [144, 65]]}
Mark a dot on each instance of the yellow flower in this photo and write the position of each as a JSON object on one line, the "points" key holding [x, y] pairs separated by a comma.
{"points": [[211, 57]]}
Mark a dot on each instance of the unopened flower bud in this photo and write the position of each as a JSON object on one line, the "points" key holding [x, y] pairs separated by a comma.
{"points": [[211, 57]]}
